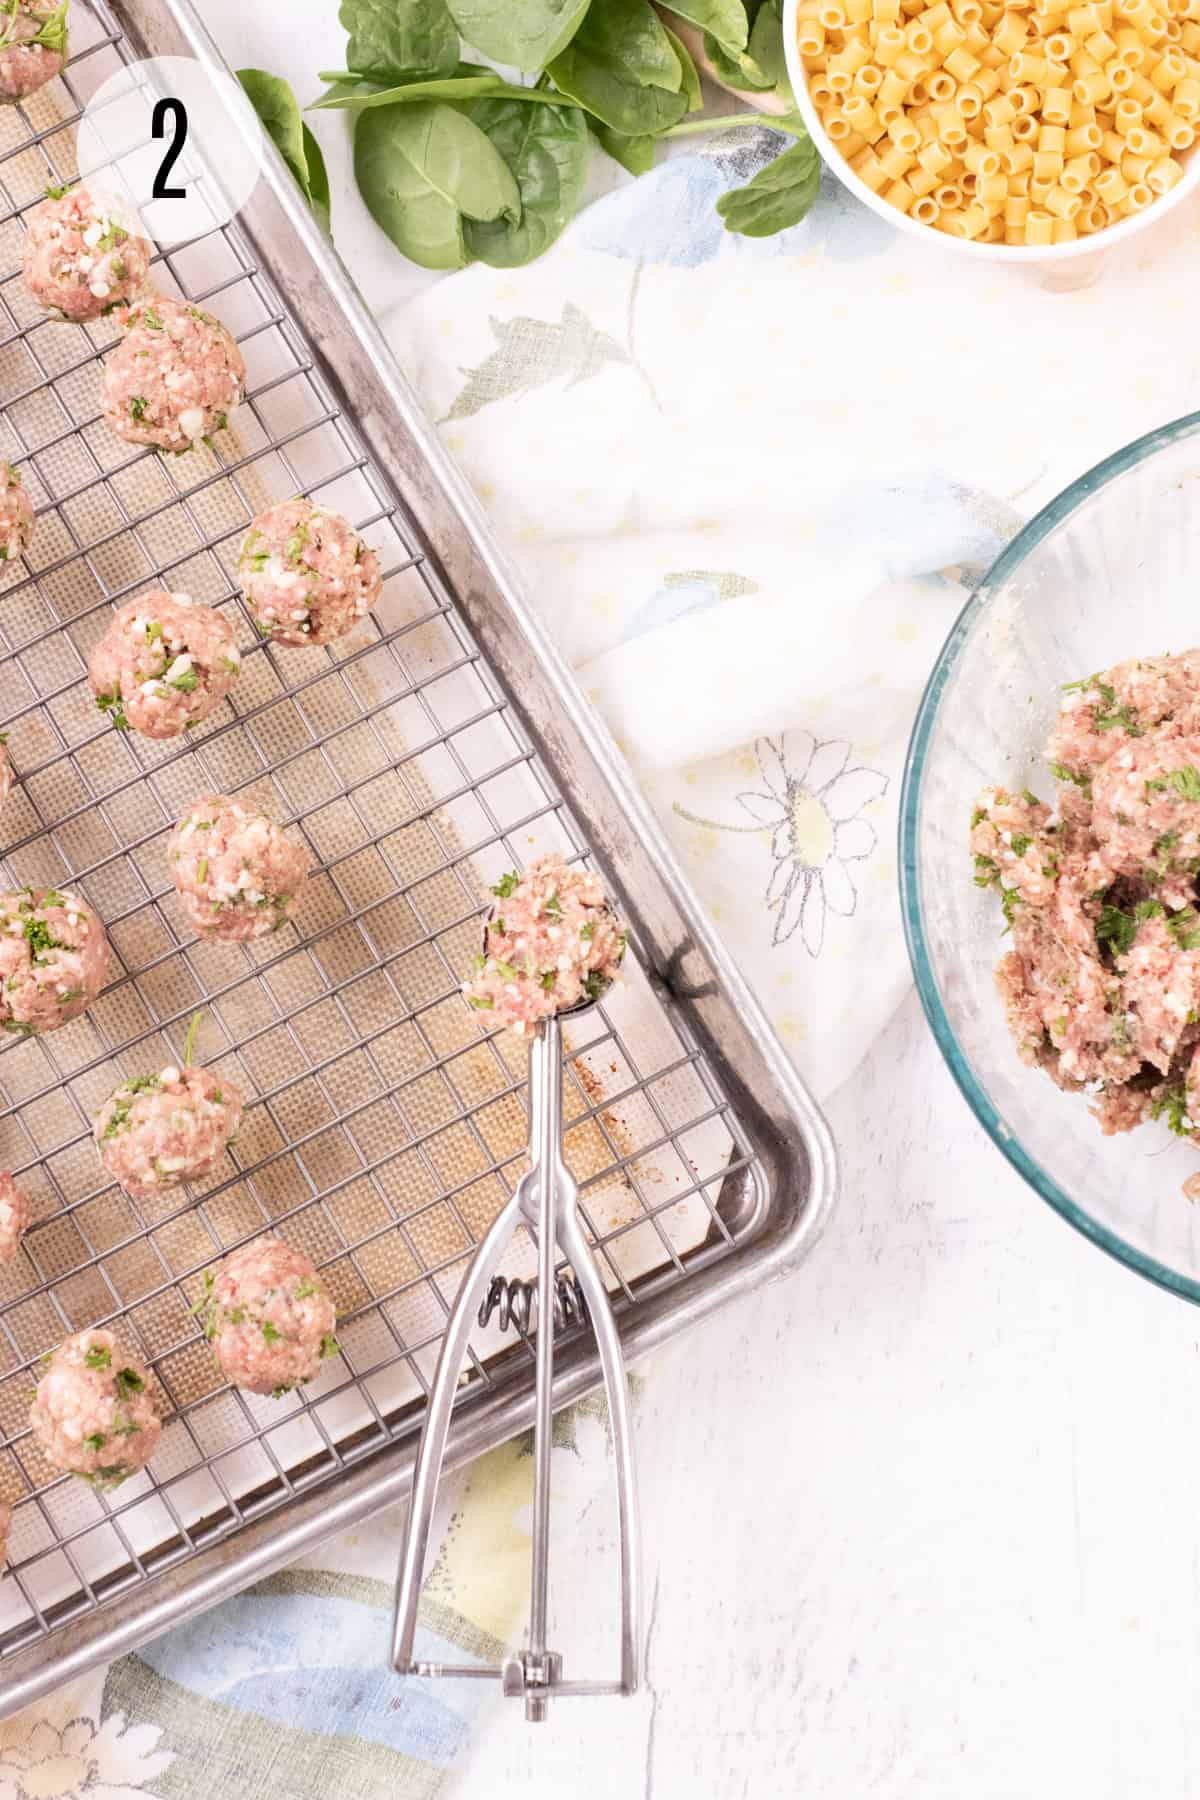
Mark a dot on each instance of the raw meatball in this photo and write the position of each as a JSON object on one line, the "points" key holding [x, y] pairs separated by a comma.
{"points": [[6, 774], [94, 1412], [164, 664], [552, 943], [236, 873], [268, 1318], [176, 377], [16, 515], [79, 260], [159, 1131], [16, 1214], [53, 959], [307, 574], [33, 45]]}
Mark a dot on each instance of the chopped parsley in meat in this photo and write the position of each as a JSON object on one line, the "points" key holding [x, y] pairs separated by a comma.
{"points": [[1100, 893]]}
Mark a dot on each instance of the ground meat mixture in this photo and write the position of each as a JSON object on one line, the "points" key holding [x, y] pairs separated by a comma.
{"points": [[160, 1131], [163, 664], [1102, 983], [16, 1213], [176, 377], [6, 773], [80, 261], [33, 45], [94, 1413], [552, 942], [16, 510], [236, 873], [307, 575], [268, 1317], [53, 960]]}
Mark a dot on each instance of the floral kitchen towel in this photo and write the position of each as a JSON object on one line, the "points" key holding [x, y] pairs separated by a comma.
{"points": [[748, 484], [284, 1692]]}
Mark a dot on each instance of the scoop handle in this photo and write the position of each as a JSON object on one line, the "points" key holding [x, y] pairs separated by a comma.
{"points": [[432, 1449]]}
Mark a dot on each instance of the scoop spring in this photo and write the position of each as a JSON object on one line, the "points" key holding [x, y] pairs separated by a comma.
{"points": [[514, 1302]]}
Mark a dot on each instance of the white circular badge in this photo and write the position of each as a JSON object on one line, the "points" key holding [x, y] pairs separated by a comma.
{"points": [[179, 147]]}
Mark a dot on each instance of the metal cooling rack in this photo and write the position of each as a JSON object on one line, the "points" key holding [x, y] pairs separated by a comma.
{"points": [[382, 1131]]}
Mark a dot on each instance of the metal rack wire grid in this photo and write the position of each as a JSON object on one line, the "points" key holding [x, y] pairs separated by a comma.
{"points": [[383, 1128]]}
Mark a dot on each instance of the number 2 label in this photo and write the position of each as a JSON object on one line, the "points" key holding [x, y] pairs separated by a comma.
{"points": [[174, 109]]}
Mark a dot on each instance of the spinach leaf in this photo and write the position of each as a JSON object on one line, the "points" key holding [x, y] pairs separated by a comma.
{"points": [[633, 153], [396, 39], [341, 87], [691, 74], [737, 68], [779, 195], [546, 147], [476, 83], [279, 114], [318, 180], [766, 46], [622, 66], [724, 20], [526, 33], [420, 169]]}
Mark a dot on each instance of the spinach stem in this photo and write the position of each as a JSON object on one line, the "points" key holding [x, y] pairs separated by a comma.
{"points": [[728, 121]]}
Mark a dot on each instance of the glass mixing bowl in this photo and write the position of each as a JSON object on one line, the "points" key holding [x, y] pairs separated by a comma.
{"points": [[1109, 570]]}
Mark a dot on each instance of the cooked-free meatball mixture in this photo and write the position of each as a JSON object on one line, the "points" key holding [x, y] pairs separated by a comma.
{"points": [[163, 664], [176, 377], [307, 574], [94, 1413], [1102, 983], [53, 959], [160, 1131], [16, 511], [33, 45], [80, 261], [236, 873], [551, 942], [16, 1213], [268, 1317]]}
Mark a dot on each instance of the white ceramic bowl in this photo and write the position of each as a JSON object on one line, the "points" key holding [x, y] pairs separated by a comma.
{"points": [[1042, 255]]}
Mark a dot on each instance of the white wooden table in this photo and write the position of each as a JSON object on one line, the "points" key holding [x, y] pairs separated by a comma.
{"points": [[923, 1521]]}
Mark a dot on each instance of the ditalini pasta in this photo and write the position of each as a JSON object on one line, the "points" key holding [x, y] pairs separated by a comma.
{"points": [[1030, 122]]}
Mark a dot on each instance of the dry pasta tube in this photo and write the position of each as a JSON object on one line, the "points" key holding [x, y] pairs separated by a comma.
{"points": [[870, 170], [935, 158], [899, 195]]}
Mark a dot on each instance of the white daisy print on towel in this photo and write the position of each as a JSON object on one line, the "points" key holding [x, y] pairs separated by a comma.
{"points": [[85, 1760], [812, 802]]}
